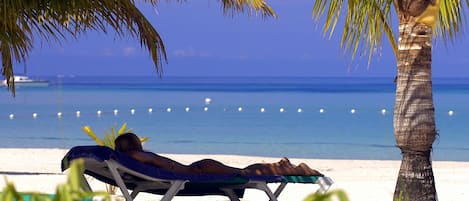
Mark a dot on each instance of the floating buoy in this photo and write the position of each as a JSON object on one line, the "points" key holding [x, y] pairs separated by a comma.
{"points": [[150, 110], [11, 116], [282, 110], [98, 112], [34, 115], [187, 109], [77, 113], [262, 109], [300, 110], [451, 113], [208, 101], [59, 114], [240, 109], [383, 111], [352, 111], [132, 111], [115, 111], [322, 110], [205, 109], [168, 109]]}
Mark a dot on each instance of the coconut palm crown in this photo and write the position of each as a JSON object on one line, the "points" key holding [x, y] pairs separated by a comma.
{"points": [[21, 22], [365, 25]]}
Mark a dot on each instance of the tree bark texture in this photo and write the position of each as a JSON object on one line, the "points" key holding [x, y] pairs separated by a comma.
{"points": [[414, 118]]}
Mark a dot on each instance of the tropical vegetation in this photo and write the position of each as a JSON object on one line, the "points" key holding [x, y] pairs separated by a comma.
{"points": [[335, 195], [72, 190], [108, 141], [21, 22], [366, 23], [109, 136]]}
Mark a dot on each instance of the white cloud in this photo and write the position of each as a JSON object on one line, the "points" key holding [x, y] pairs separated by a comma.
{"points": [[108, 52], [190, 52], [128, 51]]}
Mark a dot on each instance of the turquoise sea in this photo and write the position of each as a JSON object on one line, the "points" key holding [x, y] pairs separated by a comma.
{"points": [[338, 118]]}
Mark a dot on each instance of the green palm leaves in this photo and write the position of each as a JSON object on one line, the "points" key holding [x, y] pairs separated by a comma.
{"points": [[336, 195], [109, 136], [72, 190], [367, 22], [21, 22]]}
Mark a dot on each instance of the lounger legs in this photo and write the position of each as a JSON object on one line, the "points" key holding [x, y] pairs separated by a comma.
{"points": [[280, 189], [231, 194], [119, 180], [324, 184], [176, 186]]}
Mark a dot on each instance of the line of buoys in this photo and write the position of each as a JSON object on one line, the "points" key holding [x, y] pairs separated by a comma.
{"points": [[206, 109]]}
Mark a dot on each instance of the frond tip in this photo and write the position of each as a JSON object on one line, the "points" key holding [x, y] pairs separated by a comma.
{"points": [[22, 21], [364, 25], [253, 6]]}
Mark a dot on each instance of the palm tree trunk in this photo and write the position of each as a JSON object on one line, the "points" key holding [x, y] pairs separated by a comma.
{"points": [[414, 117]]}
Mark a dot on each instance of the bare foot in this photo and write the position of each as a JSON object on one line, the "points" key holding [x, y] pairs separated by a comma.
{"points": [[308, 171]]}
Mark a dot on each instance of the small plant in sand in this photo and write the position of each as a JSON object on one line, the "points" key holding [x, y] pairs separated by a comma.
{"points": [[108, 141], [109, 136], [336, 195], [72, 190]]}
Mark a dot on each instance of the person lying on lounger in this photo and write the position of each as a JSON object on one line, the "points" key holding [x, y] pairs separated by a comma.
{"points": [[130, 144]]}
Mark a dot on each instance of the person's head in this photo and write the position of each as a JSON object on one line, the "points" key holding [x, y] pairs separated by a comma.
{"points": [[128, 142]]}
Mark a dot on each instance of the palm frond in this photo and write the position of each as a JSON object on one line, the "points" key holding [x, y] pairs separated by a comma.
{"points": [[21, 21], [250, 6], [364, 24], [123, 129], [92, 135], [451, 19], [338, 195]]}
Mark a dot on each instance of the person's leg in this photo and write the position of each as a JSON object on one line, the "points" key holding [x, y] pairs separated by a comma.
{"points": [[283, 167], [303, 169]]}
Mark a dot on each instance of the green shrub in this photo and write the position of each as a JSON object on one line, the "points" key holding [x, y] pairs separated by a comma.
{"points": [[109, 136], [336, 195], [108, 141], [72, 190]]}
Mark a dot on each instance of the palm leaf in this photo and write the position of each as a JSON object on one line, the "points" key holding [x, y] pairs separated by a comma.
{"points": [[337, 195], [365, 21], [144, 139], [451, 18], [364, 24], [123, 129], [93, 135], [23, 21]]}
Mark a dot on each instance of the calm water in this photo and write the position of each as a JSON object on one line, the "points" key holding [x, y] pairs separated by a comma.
{"points": [[223, 128]]}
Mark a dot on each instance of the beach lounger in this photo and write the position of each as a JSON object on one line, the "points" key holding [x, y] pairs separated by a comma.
{"points": [[118, 169]]}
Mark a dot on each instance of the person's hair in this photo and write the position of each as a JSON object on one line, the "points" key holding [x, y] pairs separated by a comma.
{"points": [[128, 142]]}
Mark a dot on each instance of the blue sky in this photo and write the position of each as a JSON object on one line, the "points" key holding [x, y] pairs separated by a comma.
{"points": [[201, 41]]}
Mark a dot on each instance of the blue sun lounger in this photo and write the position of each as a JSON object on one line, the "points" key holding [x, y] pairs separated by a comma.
{"points": [[118, 169]]}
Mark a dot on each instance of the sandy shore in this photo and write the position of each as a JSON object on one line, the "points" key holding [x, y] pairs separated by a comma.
{"points": [[363, 180]]}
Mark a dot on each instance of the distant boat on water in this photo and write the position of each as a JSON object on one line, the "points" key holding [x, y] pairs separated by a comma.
{"points": [[25, 81]]}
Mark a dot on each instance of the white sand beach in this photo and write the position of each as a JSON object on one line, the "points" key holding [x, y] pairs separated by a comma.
{"points": [[363, 180]]}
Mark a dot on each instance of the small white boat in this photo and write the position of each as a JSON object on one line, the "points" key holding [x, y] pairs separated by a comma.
{"points": [[25, 81]]}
